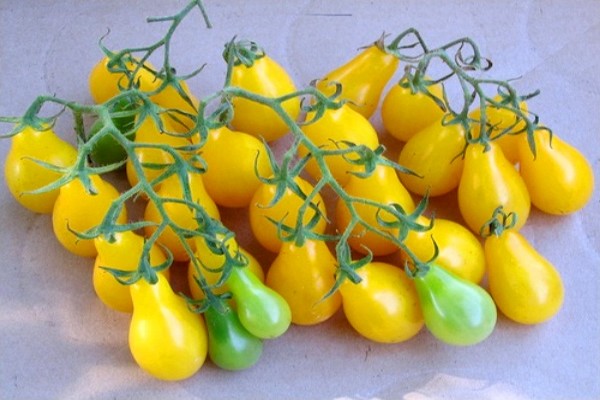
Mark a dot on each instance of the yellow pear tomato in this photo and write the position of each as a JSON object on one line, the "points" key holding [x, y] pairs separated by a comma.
{"points": [[24, 175]]}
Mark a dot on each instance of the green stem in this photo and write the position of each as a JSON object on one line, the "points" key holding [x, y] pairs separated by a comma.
{"points": [[289, 167]]}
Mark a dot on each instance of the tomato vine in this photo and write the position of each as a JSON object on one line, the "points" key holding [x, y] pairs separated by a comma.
{"points": [[216, 110]]}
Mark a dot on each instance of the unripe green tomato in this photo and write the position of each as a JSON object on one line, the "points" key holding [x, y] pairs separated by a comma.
{"points": [[107, 150], [456, 311], [262, 311], [230, 345]]}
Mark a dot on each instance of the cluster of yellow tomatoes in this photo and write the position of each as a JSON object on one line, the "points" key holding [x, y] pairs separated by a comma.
{"points": [[496, 181]]}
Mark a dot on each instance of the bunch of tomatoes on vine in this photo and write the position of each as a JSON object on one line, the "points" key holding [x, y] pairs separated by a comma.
{"points": [[332, 206]]}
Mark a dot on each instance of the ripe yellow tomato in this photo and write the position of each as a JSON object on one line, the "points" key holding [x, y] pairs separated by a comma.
{"points": [[166, 339], [363, 78], [285, 210], [24, 175], [77, 210], [104, 85], [123, 254], [382, 186], [434, 154], [405, 113], [488, 181], [233, 159], [264, 77], [460, 251], [171, 99], [383, 306], [303, 275], [502, 119], [559, 178], [149, 133], [525, 286], [328, 133], [180, 214]]}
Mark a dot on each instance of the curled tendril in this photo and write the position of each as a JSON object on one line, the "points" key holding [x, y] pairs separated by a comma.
{"points": [[396, 46], [462, 59]]}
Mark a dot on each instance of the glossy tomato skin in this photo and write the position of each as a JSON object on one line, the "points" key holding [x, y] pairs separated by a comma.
{"points": [[456, 311], [335, 127], [460, 251], [211, 262], [503, 119], [262, 311], [149, 132], [107, 150], [23, 175], [363, 78], [434, 154], [123, 254], [303, 275], [559, 178], [384, 187], [285, 209], [179, 213], [169, 98], [404, 113], [104, 84], [230, 345], [264, 77], [233, 159], [488, 181], [383, 306], [526, 287], [77, 210], [166, 339]]}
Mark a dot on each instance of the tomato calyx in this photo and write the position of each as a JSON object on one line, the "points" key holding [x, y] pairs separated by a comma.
{"points": [[145, 270], [498, 223], [405, 221], [504, 116], [347, 266], [368, 159], [319, 104], [242, 52], [531, 138], [418, 83], [220, 254], [380, 43], [285, 179], [416, 268]]}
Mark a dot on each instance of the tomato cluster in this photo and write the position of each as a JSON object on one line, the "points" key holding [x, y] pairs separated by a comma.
{"points": [[347, 226], [497, 176]]}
